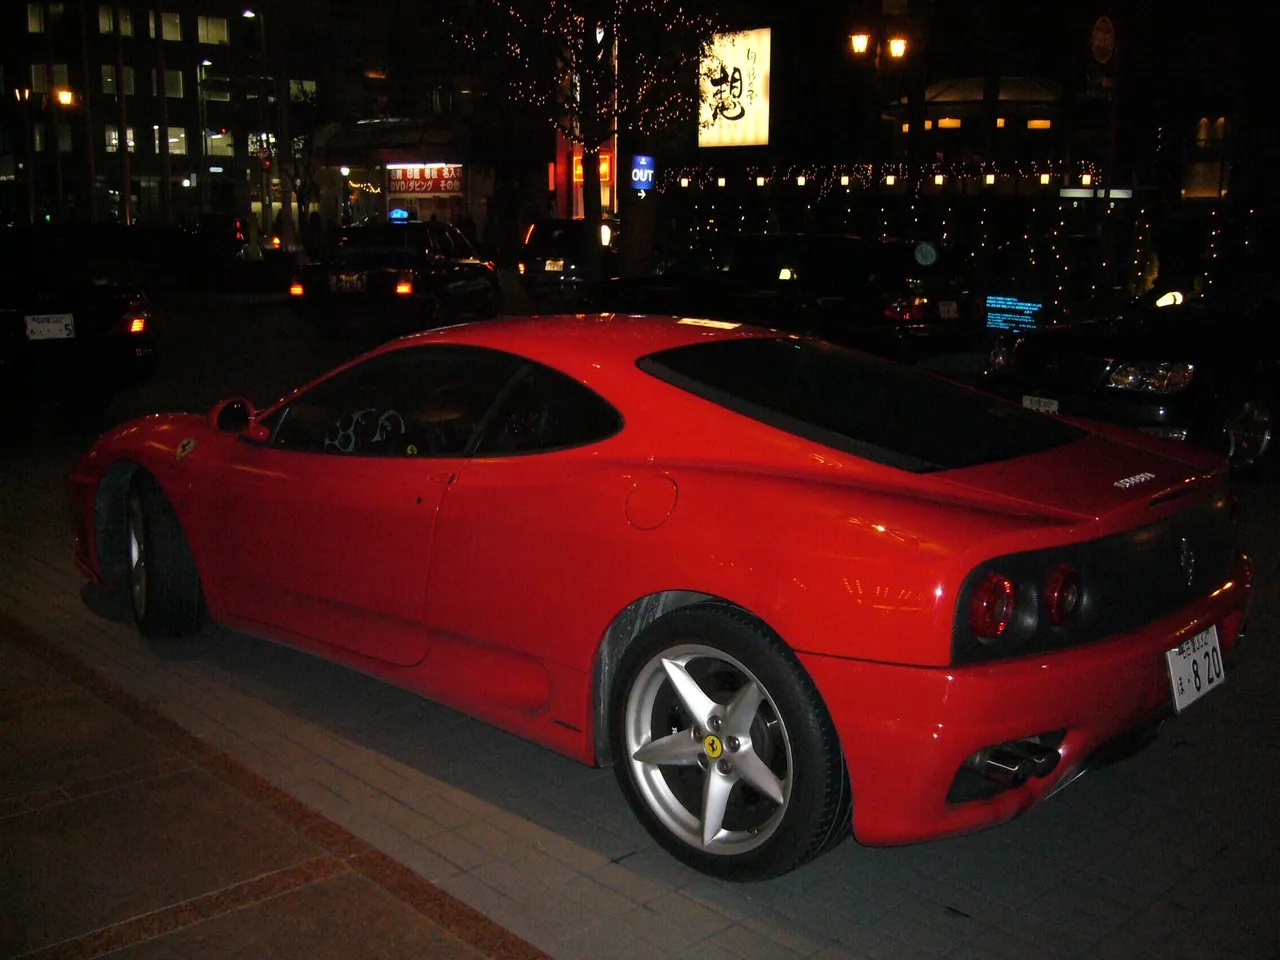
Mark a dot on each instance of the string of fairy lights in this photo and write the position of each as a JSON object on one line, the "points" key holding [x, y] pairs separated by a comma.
{"points": [[1034, 229]]}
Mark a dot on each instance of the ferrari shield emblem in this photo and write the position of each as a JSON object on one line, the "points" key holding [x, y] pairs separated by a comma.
{"points": [[712, 746], [186, 446]]}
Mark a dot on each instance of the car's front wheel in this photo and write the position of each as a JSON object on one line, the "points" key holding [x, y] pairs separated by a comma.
{"points": [[724, 748], [164, 587]]}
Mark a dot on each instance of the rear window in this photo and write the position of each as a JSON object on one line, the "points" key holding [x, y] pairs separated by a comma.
{"points": [[564, 238], [858, 403]]}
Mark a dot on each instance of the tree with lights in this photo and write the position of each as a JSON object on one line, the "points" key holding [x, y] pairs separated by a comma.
{"points": [[593, 68]]}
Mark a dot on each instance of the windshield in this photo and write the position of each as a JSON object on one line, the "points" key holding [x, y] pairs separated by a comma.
{"points": [[878, 410]]}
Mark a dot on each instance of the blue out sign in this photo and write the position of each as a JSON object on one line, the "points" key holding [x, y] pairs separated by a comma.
{"points": [[642, 170]]}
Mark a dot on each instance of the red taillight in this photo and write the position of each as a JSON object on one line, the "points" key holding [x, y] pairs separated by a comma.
{"points": [[1062, 595], [137, 324], [295, 290], [908, 309], [404, 288], [275, 242], [991, 608], [520, 268]]}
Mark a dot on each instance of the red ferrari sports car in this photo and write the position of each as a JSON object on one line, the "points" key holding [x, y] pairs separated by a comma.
{"points": [[790, 591]]}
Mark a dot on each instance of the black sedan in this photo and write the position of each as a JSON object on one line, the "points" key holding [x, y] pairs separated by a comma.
{"points": [[75, 324], [902, 299], [1190, 371], [400, 275]]}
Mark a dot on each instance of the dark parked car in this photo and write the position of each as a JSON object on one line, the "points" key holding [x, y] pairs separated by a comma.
{"points": [[404, 275], [553, 257], [75, 325], [1187, 370], [901, 299]]}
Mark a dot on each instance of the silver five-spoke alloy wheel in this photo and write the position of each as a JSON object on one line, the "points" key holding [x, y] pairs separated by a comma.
{"points": [[708, 749]]}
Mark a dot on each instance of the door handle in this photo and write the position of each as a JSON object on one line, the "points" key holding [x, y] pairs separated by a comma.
{"points": [[444, 477]]}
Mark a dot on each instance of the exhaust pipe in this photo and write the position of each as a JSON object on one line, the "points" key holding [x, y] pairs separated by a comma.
{"points": [[1013, 763]]}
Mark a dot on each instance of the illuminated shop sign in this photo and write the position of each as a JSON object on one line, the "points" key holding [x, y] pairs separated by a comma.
{"points": [[606, 167], [735, 90], [437, 179], [1010, 313]]}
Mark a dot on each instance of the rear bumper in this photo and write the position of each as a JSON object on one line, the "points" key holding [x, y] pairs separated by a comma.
{"points": [[906, 730]]}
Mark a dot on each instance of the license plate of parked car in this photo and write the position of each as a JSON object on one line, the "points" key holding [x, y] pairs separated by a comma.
{"points": [[1040, 404], [50, 326], [350, 283], [1195, 668], [554, 266]]}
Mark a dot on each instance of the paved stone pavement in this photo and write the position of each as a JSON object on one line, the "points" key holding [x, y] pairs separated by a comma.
{"points": [[1171, 854]]}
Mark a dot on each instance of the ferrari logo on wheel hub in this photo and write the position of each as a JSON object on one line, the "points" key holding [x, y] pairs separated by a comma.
{"points": [[712, 746]]}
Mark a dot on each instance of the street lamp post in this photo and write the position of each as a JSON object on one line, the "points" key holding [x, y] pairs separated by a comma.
{"points": [[878, 46], [23, 96]]}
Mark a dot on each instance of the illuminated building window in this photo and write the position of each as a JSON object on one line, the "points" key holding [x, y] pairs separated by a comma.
{"points": [[212, 30], [170, 25], [218, 143], [890, 180], [172, 84], [906, 127], [928, 124], [1039, 124], [1044, 179], [1000, 122], [177, 140], [949, 123]]}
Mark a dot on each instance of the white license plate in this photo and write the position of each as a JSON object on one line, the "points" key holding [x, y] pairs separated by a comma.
{"points": [[1195, 668], [1040, 404], [50, 326], [947, 309], [554, 266], [349, 283]]}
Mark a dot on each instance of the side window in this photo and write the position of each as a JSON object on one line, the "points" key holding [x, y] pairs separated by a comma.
{"points": [[441, 242], [461, 245], [413, 402], [546, 410]]}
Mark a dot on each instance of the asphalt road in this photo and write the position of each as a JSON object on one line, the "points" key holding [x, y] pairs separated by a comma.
{"points": [[1172, 853]]}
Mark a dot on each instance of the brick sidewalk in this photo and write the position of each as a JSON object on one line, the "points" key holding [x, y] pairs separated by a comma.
{"points": [[122, 832]]}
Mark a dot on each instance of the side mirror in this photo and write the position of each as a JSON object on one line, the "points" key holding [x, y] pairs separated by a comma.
{"points": [[232, 416]]}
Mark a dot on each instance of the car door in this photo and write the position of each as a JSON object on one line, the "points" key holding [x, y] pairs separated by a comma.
{"points": [[326, 529], [523, 530]]}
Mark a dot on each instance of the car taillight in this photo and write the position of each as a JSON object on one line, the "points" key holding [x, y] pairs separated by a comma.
{"points": [[295, 290], [136, 320], [404, 288], [493, 267], [1062, 595], [520, 268], [275, 242], [907, 309], [992, 606]]}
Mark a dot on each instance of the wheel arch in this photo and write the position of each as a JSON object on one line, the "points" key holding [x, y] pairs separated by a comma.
{"points": [[629, 623], [109, 520]]}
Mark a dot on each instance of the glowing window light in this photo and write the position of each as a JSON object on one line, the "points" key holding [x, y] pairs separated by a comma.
{"points": [[890, 180], [859, 42], [897, 47]]}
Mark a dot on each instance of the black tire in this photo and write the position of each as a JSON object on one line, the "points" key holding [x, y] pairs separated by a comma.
{"points": [[779, 770], [164, 587]]}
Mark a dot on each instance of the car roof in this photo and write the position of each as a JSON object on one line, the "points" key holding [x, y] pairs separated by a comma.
{"points": [[584, 344]]}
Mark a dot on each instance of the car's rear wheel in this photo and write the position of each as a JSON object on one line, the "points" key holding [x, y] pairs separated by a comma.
{"points": [[164, 587], [1250, 430], [724, 748]]}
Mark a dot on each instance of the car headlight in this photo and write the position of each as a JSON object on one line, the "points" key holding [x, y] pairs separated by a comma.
{"points": [[1152, 377]]}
